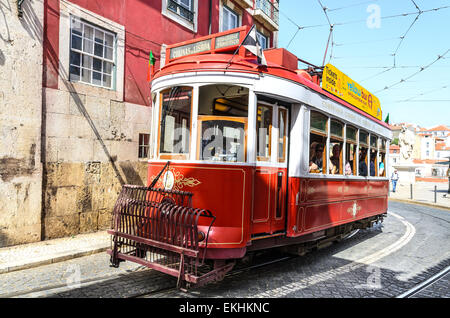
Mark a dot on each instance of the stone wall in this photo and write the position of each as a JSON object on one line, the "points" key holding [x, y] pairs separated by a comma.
{"points": [[91, 150], [65, 151], [20, 121]]}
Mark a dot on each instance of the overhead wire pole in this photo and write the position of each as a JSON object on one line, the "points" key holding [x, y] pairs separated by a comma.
{"points": [[331, 31]]}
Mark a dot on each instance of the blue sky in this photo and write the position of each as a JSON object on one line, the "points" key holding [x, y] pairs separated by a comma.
{"points": [[365, 52]]}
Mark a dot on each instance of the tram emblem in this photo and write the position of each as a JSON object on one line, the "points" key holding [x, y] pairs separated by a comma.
{"points": [[354, 209], [175, 180]]}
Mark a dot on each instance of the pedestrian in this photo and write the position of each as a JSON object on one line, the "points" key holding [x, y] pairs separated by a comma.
{"points": [[394, 179]]}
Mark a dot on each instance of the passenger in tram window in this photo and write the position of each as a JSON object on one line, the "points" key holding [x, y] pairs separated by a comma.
{"points": [[312, 154], [362, 162], [372, 164], [350, 155], [335, 159], [348, 169], [381, 166], [316, 160]]}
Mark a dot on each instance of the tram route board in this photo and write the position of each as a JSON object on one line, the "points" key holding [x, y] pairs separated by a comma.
{"points": [[342, 86]]}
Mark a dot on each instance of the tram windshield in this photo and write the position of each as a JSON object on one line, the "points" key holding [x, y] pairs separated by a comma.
{"points": [[222, 122]]}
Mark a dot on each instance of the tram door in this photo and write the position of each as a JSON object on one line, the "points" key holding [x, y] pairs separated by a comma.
{"points": [[269, 189]]}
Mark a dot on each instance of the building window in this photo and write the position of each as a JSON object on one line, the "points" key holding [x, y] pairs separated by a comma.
{"points": [[262, 39], [143, 145], [91, 54], [230, 19], [182, 8]]}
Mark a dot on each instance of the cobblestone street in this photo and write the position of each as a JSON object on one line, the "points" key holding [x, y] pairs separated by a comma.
{"points": [[359, 266]]}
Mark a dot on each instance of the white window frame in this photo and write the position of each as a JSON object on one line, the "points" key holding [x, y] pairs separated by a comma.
{"points": [[260, 36], [68, 9], [143, 145], [180, 19], [180, 3], [230, 12], [92, 55]]}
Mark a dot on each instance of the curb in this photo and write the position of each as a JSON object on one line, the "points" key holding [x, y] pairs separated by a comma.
{"points": [[437, 206], [52, 260]]}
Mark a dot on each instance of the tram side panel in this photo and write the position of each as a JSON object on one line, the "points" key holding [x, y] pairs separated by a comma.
{"points": [[224, 190], [318, 204]]}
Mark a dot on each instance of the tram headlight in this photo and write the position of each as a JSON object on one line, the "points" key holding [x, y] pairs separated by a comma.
{"points": [[201, 236]]}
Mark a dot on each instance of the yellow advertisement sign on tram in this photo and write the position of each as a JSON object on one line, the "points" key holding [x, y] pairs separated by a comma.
{"points": [[342, 86]]}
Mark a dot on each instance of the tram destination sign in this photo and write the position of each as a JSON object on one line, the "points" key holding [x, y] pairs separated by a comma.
{"points": [[227, 40], [191, 48], [342, 86]]}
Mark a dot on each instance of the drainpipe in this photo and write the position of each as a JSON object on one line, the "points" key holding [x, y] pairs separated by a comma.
{"points": [[210, 16]]}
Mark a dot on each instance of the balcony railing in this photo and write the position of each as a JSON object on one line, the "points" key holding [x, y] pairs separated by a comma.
{"points": [[180, 10], [270, 9]]}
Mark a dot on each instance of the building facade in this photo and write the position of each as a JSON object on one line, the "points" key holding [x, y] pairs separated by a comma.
{"points": [[76, 104]]}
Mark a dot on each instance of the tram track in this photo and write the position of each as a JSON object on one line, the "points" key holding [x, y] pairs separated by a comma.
{"points": [[425, 284], [237, 271]]}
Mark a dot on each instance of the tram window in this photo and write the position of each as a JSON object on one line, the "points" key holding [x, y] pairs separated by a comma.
{"points": [[363, 149], [264, 132], [373, 156], [317, 142], [222, 123], [381, 157], [175, 122], [336, 143], [222, 138], [350, 151], [282, 127]]}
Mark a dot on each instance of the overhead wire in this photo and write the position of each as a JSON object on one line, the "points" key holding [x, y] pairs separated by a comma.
{"points": [[426, 93], [423, 68], [352, 5], [401, 39]]}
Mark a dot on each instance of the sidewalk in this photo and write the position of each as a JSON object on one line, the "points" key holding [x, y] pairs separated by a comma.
{"points": [[423, 193], [30, 255]]}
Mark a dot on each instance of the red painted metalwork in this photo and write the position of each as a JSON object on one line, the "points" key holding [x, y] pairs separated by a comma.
{"points": [[159, 229]]}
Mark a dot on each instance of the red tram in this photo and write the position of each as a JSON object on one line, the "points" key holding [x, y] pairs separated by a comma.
{"points": [[259, 157]]}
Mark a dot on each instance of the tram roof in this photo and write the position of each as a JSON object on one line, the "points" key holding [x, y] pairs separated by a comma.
{"points": [[280, 63]]}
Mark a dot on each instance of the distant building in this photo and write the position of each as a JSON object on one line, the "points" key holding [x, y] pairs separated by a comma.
{"points": [[440, 131], [430, 151], [394, 156]]}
